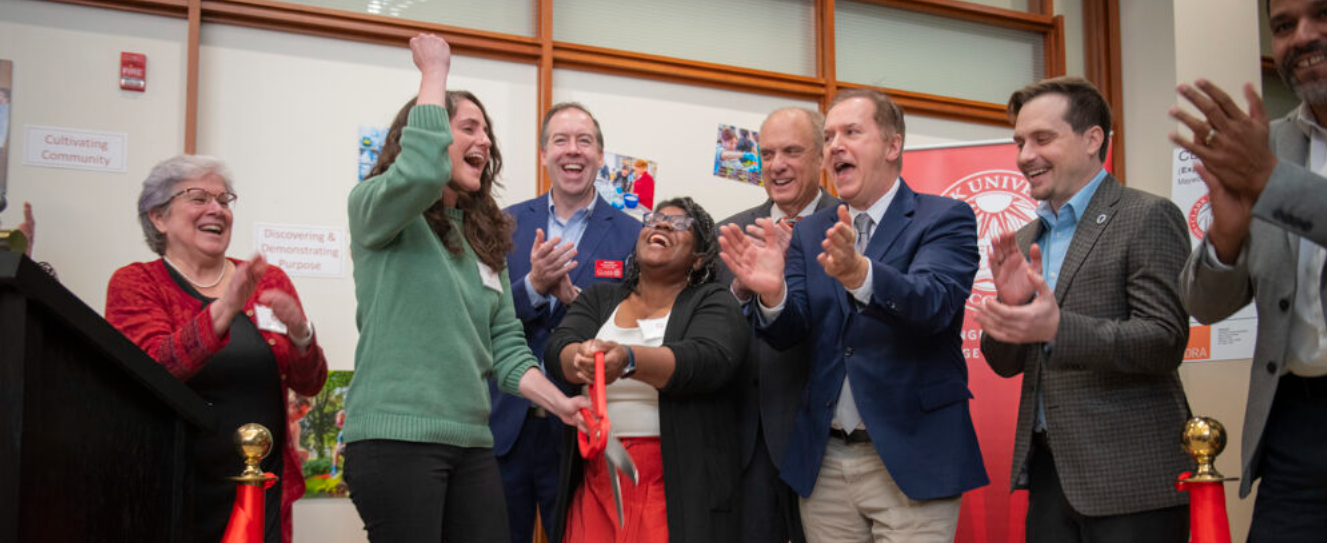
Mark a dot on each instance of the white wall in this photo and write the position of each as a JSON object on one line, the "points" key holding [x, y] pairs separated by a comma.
{"points": [[66, 74], [676, 125]]}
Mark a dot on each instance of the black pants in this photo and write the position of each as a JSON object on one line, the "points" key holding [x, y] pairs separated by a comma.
{"points": [[1292, 497], [426, 492], [1052, 520], [769, 505]]}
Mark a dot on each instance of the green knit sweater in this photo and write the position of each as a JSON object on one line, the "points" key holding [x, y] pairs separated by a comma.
{"points": [[430, 331]]}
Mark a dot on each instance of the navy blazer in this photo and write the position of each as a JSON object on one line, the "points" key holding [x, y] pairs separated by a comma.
{"points": [[609, 235], [903, 350]]}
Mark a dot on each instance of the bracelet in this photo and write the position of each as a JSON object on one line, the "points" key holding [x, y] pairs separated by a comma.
{"points": [[631, 363], [304, 341]]}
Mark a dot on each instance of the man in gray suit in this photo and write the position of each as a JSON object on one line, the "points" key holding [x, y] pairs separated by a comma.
{"points": [[1265, 243], [771, 381], [1095, 325]]}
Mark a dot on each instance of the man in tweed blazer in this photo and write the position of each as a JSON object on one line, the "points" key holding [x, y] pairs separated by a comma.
{"points": [[1265, 244], [1095, 326], [771, 380]]}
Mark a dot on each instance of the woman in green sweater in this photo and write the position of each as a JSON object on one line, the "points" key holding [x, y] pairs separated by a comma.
{"points": [[435, 318]]}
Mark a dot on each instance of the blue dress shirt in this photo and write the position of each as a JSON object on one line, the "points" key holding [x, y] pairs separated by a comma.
{"points": [[1056, 235]]}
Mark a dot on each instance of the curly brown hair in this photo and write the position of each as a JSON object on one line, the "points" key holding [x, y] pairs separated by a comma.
{"points": [[487, 229], [707, 245]]}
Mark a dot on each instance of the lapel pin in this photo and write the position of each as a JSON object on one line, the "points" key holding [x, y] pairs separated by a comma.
{"points": [[1101, 218]]}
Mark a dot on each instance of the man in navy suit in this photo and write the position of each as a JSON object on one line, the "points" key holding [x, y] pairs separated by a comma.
{"points": [[566, 240], [883, 446]]}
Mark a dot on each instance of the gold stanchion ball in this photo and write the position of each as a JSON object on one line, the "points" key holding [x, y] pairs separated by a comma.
{"points": [[1204, 437], [253, 441]]}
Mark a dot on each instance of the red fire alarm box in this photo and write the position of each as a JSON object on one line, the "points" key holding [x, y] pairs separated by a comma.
{"points": [[133, 71]]}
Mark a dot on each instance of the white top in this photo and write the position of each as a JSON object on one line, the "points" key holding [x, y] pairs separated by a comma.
{"points": [[633, 406], [1308, 328]]}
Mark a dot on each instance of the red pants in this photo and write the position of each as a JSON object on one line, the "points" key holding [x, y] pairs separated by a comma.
{"points": [[593, 515]]}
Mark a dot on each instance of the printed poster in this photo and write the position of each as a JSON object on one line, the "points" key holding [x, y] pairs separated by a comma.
{"points": [[315, 427], [737, 154], [1230, 339], [6, 94], [627, 182], [371, 139]]}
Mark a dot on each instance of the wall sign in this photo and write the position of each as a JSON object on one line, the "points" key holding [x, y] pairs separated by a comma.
{"points": [[52, 147]]}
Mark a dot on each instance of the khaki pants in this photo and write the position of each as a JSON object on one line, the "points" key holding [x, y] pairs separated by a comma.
{"points": [[855, 499]]}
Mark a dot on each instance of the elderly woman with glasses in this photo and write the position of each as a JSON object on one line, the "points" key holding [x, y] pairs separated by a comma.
{"points": [[233, 331], [673, 340]]}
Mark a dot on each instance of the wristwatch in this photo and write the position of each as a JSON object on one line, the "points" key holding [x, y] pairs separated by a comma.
{"points": [[631, 363]]}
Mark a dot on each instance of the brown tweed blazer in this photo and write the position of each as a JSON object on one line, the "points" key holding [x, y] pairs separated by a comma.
{"points": [[1114, 403]]}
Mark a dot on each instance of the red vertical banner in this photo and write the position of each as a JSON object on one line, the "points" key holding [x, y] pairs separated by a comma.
{"points": [[987, 178]]}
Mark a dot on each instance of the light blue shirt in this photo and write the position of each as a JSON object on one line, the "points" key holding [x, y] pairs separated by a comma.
{"points": [[570, 230], [1056, 236]]}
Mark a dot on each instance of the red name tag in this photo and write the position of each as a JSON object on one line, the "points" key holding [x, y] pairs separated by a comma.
{"points": [[611, 269]]}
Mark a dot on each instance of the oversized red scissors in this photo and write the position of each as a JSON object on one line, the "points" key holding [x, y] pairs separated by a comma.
{"points": [[596, 421], [599, 439]]}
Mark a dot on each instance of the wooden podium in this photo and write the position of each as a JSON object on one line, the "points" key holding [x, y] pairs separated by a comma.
{"points": [[93, 433]]}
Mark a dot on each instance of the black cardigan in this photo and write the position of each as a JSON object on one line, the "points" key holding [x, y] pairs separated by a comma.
{"points": [[697, 409]]}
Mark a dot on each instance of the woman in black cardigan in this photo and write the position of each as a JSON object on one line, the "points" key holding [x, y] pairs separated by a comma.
{"points": [[669, 277]]}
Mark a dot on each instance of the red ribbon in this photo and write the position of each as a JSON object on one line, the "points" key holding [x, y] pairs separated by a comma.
{"points": [[246, 518], [1208, 522]]}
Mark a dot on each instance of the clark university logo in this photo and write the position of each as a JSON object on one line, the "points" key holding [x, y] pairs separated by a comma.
{"points": [[1002, 204], [1200, 217]]}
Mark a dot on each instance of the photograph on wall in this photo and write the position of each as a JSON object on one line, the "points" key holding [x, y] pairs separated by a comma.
{"points": [[737, 154], [627, 182], [316, 424], [6, 92], [370, 144]]}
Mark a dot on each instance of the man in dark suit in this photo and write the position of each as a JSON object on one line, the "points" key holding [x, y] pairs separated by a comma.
{"points": [[565, 240], [883, 444], [1265, 244], [771, 380], [1094, 325]]}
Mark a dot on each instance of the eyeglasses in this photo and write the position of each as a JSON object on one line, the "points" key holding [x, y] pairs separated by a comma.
{"points": [[200, 197], [676, 223]]}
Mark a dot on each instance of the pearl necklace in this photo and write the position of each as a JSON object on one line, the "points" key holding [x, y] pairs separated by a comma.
{"points": [[180, 270]]}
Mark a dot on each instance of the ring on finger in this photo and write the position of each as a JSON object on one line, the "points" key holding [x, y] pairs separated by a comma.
{"points": [[1209, 138]]}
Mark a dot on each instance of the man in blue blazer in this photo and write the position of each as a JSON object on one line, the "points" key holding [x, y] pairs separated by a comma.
{"points": [[883, 446], [566, 240]]}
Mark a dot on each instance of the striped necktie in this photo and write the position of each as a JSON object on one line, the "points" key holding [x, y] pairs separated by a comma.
{"points": [[863, 224]]}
